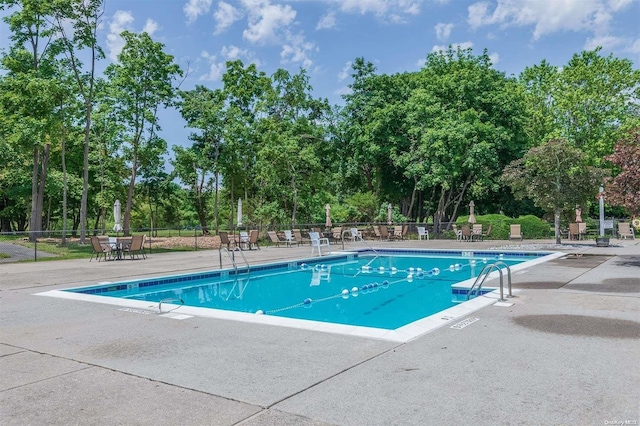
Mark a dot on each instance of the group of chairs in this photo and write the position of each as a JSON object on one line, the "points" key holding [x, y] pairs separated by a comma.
{"points": [[244, 240], [476, 232], [112, 248]]}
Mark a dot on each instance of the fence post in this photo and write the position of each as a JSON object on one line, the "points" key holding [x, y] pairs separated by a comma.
{"points": [[195, 237], [35, 250]]}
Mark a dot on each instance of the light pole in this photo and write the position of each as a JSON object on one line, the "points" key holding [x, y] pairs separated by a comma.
{"points": [[601, 211]]}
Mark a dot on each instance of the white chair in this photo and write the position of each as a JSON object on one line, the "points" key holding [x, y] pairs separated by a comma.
{"points": [[355, 234], [244, 238], [289, 238], [422, 232], [317, 242]]}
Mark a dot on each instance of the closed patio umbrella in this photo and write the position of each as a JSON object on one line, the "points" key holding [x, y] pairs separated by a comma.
{"points": [[327, 222], [116, 216], [390, 214], [472, 216], [239, 212]]}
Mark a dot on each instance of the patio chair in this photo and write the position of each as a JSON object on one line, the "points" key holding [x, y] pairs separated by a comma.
{"points": [[457, 231], [625, 231], [273, 236], [99, 249], [476, 232], [297, 234], [136, 247], [289, 238], [317, 242], [253, 239], [574, 231], [466, 233], [515, 233], [224, 239], [381, 232], [582, 230], [422, 232], [397, 232], [354, 234], [488, 233], [337, 233], [243, 239]]}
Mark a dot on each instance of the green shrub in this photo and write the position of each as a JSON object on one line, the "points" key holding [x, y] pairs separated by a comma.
{"points": [[531, 226]]}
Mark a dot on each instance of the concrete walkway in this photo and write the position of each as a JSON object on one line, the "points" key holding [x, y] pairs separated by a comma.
{"points": [[566, 352]]}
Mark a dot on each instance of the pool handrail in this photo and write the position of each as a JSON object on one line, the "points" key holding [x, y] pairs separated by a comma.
{"points": [[483, 276]]}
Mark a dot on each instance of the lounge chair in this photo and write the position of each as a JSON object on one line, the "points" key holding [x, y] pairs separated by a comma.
{"points": [[100, 249], [422, 232], [625, 231], [253, 239], [274, 238], [297, 234], [136, 247], [515, 233], [317, 242]]}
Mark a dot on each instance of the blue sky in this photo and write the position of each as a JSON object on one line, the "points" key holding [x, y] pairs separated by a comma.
{"points": [[324, 36]]}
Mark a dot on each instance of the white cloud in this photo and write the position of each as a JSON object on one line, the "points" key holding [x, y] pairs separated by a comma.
{"points": [[344, 73], [231, 53], [150, 27], [634, 47], [342, 91], [391, 10], [225, 16], [607, 42], [494, 57], [121, 21], [420, 62], [216, 68], [266, 20], [328, 21], [195, 8], [295, 50], [443, 31], [454, 46], [547, 16]]}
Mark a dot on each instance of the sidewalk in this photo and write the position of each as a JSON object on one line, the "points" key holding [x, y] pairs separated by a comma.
{"points": [[566, 352]]}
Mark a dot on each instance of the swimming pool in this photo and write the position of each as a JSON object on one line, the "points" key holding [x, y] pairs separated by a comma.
{"points": [[384, 293]]}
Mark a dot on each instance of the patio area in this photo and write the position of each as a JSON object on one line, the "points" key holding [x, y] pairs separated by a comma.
{"points": [[566, 352]]}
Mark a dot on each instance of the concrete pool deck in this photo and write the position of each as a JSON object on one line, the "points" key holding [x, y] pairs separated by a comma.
{"points": [[566, 352]]}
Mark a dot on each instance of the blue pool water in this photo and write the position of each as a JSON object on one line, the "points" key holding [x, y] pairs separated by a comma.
{"points": [[387, 290]]}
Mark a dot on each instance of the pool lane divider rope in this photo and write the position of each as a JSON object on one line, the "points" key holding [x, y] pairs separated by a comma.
{"points": [[374, 286]]}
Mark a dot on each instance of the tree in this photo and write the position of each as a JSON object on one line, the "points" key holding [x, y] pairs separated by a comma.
{"points": [[556, 176], [140, 84], [624, 189], [84, 16]]}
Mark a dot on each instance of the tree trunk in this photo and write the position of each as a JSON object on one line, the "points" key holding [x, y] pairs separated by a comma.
{"points": [[556, 224]]}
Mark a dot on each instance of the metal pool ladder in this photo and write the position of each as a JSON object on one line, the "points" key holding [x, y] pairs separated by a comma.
{"points": [[232, 257], [485, 273]]}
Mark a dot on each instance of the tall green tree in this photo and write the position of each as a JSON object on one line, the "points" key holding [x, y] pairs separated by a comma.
{"points": [[140, 83], [556, 176], [84, 17], [204, 111]]}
